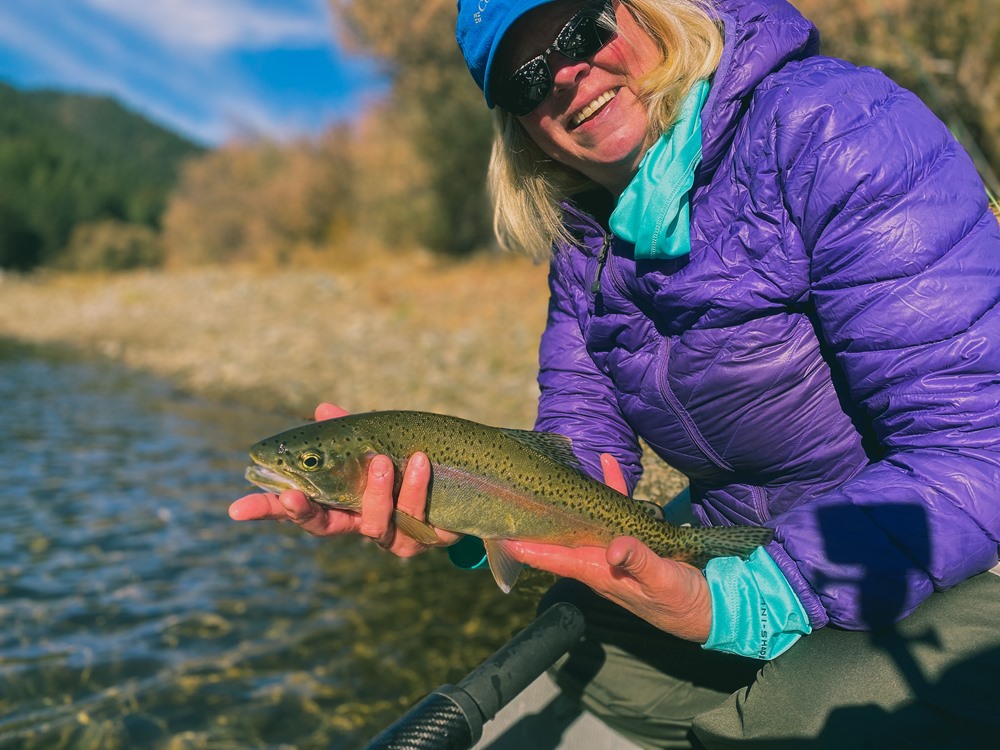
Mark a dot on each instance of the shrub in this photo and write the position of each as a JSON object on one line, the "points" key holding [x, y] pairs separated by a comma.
{"points": [[111, 245]]}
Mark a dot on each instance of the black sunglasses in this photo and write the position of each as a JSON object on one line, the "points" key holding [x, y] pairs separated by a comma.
{"points": [[583, 36]]}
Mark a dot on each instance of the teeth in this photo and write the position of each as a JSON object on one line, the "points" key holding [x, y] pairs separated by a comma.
{"points": [[591, 108]]}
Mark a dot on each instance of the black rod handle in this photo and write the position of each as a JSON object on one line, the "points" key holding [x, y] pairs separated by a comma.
{"points": [[452, 717]]}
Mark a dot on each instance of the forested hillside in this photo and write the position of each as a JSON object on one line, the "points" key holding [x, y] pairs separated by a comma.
{"points": [[72, 163]]}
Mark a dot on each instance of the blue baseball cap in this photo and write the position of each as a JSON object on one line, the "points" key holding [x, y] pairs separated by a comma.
{"points": [[481, 25]]}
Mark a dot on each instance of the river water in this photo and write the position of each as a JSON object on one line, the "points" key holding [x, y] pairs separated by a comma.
{"points": [[135, 614]]}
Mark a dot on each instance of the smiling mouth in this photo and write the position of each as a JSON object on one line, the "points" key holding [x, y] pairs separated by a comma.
{"points": [[593, 108]]}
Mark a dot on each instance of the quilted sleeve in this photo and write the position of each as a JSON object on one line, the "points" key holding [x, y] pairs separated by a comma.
{"points": [[577, 400], [905, 281]]}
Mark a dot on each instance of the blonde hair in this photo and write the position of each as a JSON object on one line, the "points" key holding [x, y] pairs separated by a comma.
{"points": [[527, 186]]}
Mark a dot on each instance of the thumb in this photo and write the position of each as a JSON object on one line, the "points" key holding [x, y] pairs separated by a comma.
{"points": [[328, 411], [631, 556]]}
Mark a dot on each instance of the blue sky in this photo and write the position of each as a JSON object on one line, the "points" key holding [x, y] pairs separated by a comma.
{"points": [[209, 69]]}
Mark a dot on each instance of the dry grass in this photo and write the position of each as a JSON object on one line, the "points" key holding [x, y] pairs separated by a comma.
{"points": [[411, 334]]}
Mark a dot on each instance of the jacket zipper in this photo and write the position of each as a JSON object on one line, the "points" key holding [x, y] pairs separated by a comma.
{"points": [[616, 278], [602, 259], [669, 397]]}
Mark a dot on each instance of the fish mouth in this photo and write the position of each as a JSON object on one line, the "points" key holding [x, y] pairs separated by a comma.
{"points": [[269, 479]]}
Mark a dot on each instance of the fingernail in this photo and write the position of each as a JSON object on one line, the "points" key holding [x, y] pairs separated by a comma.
{"points": [[380, 467], [418, 461]]}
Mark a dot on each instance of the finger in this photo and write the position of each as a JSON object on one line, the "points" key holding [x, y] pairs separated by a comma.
{"points": [[257, 507], [297, 506], [377, 502], [311, 517], [416, 480], [613, 476], [328, 411]]}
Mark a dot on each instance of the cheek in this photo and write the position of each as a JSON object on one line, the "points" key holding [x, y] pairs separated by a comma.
{"points": [[634, 49], [545, 133]]}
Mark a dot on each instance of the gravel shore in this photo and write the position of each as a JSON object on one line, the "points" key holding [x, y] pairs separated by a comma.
{"points": [[419, 333]]}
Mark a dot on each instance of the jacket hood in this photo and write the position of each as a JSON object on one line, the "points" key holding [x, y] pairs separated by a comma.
{"points": [[761, 36]]}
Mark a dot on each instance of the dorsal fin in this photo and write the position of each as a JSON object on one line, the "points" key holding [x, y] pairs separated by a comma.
{"points": [[557, 447]]}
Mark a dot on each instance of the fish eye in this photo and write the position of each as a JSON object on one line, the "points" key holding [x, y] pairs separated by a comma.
{"points": [[310, 461]]}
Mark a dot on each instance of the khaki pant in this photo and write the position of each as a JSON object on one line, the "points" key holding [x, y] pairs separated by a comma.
{"points": [[930, 681]]}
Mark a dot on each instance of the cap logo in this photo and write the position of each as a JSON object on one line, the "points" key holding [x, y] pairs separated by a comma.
{"points": [[480, 8]]}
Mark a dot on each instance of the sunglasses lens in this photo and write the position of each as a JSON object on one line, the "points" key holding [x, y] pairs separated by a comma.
{"points": [[579, 39], [584, 38], [527, 88]]}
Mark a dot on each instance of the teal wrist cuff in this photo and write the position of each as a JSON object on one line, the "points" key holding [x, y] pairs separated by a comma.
{"points": [[468, 553], [755, 612]]}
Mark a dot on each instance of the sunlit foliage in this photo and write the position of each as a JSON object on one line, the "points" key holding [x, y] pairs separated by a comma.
{"points": [[260, 201], [111, 245], [435, 108]]}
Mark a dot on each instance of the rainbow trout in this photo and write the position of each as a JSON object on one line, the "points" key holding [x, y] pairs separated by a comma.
{"points": [[491, 482]]}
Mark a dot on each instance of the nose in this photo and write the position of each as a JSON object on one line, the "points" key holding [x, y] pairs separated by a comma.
{"points": [[566, 73]]}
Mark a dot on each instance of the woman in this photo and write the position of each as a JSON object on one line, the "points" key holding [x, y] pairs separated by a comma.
{"points": [[781, 272]]}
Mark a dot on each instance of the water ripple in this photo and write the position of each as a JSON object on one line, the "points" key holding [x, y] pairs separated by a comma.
{"points": [[136, 615]]}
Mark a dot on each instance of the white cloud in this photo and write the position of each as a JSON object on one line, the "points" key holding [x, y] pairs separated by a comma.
{"points": [[218, 25], [177, 61]]}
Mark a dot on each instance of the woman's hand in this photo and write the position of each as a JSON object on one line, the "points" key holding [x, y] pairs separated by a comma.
{"points": [[671, 595], [377, 504]]}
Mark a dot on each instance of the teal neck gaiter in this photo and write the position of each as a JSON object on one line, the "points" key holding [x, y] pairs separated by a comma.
{"points": [[654, 211]]}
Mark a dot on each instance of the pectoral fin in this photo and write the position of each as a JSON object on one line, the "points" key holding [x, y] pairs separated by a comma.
{"points": [[505, 569], [415, 528]]}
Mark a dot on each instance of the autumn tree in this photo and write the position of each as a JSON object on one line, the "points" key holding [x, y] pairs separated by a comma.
{"points": [[260, 201], [434, 121]]}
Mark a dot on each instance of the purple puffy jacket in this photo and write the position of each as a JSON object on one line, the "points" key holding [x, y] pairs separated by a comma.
{"points": [[826, 359]]}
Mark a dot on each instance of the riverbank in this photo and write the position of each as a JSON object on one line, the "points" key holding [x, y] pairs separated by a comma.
{"points": [[459, 338], [418, 334]]}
